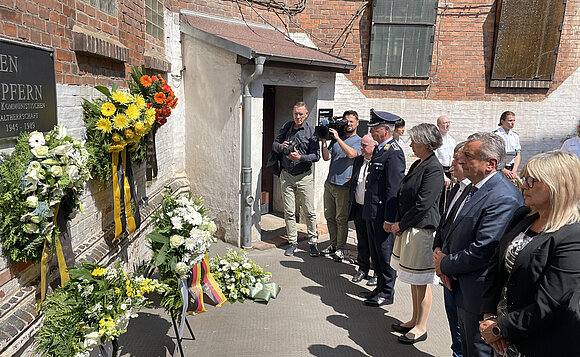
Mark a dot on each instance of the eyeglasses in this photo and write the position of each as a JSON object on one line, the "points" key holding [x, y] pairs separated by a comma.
{"points": [[529, 181]]}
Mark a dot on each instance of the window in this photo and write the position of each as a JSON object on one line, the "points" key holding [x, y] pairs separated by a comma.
{"points": [[402, 38], [526, 45], [106, 6], [154, 16]]}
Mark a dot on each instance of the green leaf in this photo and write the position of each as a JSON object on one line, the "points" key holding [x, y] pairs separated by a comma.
{"points": [[160, 259], [103, 90]]}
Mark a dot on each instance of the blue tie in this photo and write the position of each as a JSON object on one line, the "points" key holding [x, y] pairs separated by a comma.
{"points": [[471, 193]]}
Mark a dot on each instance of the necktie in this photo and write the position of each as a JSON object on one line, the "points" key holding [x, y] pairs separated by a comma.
{"points": [[471, 193], [451, 216]]}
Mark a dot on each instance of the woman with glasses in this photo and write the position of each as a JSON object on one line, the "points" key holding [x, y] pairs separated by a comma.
{"points": [[526, 309]]}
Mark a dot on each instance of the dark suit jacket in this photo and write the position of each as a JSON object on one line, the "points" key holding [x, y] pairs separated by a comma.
{"points": [[544, 277], [419, 195], [356, 165], [474, 235], [386, 170]]}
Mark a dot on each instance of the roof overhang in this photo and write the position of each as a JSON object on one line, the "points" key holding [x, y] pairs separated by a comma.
{"points": [[249, 41]]}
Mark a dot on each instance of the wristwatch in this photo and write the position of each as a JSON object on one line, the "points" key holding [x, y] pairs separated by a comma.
{"points": [[496, 331]]}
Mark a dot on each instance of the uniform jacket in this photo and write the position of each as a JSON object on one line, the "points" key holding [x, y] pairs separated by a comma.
{"points": [[474, 235], [544, 277], [419, 195], [386, 170]]}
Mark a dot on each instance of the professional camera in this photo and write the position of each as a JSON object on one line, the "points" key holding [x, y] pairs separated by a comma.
{"points": [[337, 123], [288, 149]]}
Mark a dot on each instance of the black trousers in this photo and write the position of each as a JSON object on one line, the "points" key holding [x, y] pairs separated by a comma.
{"points": [[363, 258], [381, 247]]}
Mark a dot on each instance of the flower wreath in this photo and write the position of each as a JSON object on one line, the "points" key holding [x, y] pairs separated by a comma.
{"points": [[44, 174]]}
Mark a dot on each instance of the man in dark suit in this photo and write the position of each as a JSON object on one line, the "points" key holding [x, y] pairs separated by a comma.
{"points": [[386, 170], [355, 209], [474, 233]]}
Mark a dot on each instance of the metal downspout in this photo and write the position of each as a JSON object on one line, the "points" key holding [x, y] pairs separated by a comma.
{"points": [[247, 199]]}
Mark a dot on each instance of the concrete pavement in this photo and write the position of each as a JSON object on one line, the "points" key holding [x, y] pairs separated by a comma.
{"points": [[317, 313]]}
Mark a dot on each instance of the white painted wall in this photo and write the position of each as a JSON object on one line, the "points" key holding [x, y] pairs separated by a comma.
{"points": [[212, 85]]}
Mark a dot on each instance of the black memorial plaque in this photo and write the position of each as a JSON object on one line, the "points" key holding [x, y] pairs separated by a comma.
{"points": [[27, 89]]}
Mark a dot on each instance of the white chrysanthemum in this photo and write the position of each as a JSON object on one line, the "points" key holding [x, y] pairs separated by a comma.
{"points": [[259, 285], [234, 266], [177, 223], [247, 265]]}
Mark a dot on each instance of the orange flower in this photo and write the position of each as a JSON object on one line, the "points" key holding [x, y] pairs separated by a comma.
{"points": [[154, 78], [146, 81], [159, 97]]}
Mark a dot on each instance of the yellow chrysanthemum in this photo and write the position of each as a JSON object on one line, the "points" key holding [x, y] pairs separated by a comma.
{"points": [[140, 128], [104, 125], [117, 290], [116, 138], [116, 148], [140, 102], [120, 121], [133, 112], [98, 272], [108, 109], [129, 134], [122, 97], [150, 116]]}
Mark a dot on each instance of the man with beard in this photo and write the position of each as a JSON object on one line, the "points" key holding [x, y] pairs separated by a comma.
{"points": [[341, 152]]}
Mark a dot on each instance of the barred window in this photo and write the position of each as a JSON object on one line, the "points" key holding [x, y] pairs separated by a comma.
{"points": [[402, 38], [106, 6], [154, 16]]}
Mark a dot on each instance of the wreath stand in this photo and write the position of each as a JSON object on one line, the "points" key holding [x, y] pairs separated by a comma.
{"points": [[179, 336]]}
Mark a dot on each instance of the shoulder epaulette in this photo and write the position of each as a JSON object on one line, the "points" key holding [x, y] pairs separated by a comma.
{"points": [[515, 132]]}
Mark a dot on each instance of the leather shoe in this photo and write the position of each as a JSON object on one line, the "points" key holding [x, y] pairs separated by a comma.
{"points": [[400, 329], [358, 276], [378, 301], [368, 294], [372, 281], [409, 341]]}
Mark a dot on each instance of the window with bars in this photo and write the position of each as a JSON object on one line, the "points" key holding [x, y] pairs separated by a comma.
{"points": [[106, 6], [402, 38], [526, 42], [154, 17]]}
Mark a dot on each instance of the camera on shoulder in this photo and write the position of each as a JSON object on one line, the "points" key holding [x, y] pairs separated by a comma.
{"points": [[337, 123]]}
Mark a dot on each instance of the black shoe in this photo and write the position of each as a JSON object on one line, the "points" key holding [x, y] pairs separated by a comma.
{"points": [[328, 250], [290, 250], [378, 301], [338, 255], [314, 250], [372, 281], [400, 329], [368, 294], [358, 276], [409, 341]]}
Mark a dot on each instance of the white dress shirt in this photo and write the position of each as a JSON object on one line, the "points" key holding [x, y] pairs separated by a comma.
{"points": [[512, 142], [572, 145], [445, 152], [359, 193]]}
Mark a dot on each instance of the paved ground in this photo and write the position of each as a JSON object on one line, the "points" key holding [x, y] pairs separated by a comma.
{"points": [[317, 313]]}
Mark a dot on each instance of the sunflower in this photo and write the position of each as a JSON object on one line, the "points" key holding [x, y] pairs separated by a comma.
{"points": [[120, 121], [140, 128], [159, 97], [122, 97], [104, 125], [140, 102], [108, 109], [133, 112], [146, 81]]}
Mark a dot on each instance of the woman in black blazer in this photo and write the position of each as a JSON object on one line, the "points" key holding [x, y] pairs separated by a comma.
{"points": [[417, 219], [535, 270]]}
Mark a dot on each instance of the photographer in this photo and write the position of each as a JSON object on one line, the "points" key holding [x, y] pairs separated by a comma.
{"points": [[299, 145], [341, 153]]}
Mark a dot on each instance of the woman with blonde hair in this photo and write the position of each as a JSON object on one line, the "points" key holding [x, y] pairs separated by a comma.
{"points": [[536, 268]]}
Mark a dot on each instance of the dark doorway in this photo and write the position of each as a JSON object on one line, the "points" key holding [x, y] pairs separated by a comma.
{"points": [[267, 196]]}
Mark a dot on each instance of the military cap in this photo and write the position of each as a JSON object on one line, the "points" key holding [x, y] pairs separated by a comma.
{"points": [[378, 118]]}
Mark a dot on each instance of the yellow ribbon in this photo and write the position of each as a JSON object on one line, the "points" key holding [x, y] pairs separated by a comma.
{"points": [[131, 225], [45, 259]]}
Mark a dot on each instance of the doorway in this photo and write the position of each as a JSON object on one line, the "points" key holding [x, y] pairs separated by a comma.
{"points": [[269, 115]]}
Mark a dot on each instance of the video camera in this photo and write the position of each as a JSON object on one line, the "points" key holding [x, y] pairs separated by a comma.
{"points": [[337, 123]]}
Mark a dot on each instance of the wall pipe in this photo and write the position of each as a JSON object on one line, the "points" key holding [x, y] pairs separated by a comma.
{"points": [[247, 200]]}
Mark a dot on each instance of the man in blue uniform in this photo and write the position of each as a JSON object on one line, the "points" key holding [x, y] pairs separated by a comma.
{"points": [[386, 170]]}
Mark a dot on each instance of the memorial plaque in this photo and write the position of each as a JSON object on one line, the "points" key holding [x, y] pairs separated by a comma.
{"points": [[27, 89]]}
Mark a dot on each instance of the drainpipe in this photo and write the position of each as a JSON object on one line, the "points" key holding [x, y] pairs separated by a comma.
{"points": [[247, 199]]}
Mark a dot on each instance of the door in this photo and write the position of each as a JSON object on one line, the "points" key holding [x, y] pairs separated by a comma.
{"points": [[269, 115]]}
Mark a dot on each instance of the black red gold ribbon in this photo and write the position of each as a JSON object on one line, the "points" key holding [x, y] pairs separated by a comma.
{"points": [[204, 283], [125, 207]]}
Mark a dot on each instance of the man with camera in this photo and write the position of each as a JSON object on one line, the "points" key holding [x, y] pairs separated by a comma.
{"points": [[341, 153], [299, 145]]}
